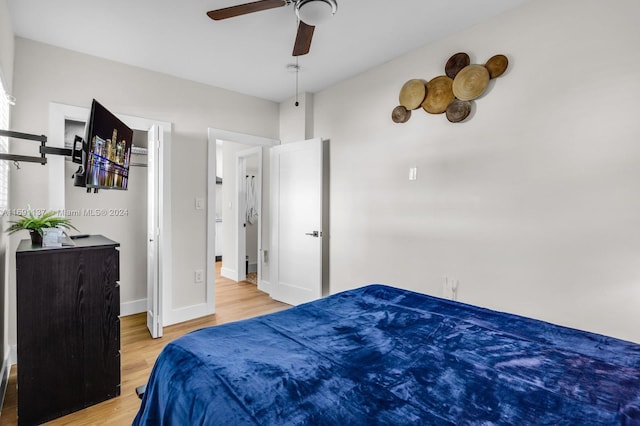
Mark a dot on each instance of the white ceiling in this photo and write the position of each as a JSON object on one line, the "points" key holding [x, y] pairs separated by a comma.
{"points": [[246, 54]]}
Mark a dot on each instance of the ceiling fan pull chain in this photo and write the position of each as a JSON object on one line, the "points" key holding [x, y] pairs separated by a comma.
{"points": [[297, 71]]}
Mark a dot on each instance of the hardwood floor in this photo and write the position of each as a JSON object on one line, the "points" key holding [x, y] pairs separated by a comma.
{"points": [[234, 301]]}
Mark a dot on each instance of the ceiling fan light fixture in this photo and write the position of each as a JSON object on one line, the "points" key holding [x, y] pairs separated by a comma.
{"points": [[315, 12]]}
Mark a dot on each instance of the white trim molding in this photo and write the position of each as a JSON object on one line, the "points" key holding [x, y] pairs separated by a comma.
{"points": [[232, 274], [264, 286], [133, 307]]}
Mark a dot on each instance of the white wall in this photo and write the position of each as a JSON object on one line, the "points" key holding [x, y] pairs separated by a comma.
{"points": [[46, 74], [6, 46], [533, 204], [296, 122]]}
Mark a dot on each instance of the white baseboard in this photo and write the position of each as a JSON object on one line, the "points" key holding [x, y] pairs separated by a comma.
{"points": [[187, 313], [133, 307], [13, 354], [232, 274], [175, 316], [264, 286]]}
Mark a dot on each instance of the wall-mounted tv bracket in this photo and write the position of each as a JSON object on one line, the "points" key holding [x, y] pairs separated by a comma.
{"points": [[44, 150]]}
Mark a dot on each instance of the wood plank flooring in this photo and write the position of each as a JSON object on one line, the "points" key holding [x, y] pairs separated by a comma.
{"points": [[234, 301]]}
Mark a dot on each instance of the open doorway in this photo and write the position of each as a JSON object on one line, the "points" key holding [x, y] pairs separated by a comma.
{"points": [[249, 226], [225, 213], [238, 208]]}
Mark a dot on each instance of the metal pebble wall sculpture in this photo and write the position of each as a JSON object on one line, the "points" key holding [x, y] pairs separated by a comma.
{"points": [[452, 93]]}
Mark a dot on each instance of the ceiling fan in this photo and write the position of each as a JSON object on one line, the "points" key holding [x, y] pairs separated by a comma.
{"points": [[309, 12]]}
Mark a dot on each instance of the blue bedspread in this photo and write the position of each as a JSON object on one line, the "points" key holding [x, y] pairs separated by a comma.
{"points": [[380, 355]]}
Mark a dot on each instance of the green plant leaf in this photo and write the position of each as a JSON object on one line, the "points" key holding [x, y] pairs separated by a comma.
{"points": [[31, 222]]}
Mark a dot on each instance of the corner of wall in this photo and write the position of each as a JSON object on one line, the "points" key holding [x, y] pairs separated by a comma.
{"points": [[308, 116], [296, 122]]}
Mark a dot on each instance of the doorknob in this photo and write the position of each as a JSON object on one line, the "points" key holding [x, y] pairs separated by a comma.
{"points": [[314, 234]]}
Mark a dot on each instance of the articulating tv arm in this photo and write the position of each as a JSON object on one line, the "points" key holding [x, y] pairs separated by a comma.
{"points": [[43, 148]]}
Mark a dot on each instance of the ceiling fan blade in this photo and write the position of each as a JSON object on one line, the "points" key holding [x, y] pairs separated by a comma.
{"points": [[303, 39], [243, 9]]}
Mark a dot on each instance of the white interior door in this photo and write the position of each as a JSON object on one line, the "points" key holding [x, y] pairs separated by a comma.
{"points": [[297, 234], [154, 294]]}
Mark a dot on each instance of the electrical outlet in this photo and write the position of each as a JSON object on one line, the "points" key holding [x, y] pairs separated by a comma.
{"points": [[198, 276]]}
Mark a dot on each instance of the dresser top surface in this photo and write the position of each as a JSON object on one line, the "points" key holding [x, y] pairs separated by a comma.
{"points": [[100, 241]]}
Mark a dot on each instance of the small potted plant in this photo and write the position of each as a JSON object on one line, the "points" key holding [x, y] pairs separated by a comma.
{"points": [[36, 223]]}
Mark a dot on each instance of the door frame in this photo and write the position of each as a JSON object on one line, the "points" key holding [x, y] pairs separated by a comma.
{"points": [[58, 113], [214, 135]]}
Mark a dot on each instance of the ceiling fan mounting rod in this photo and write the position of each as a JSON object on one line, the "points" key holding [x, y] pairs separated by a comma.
{"points": [[297, 73]]}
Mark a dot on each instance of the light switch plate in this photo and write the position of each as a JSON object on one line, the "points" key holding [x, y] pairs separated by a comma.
{"points": [[413, 173], [199, 203]]}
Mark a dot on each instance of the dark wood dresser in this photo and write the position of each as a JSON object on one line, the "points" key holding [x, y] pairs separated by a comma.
{"points": [[68, 303]]}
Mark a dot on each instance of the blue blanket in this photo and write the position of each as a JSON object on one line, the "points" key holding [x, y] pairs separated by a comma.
{"points": [[384, 356]]}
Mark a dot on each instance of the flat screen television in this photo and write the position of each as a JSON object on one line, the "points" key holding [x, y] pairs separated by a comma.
{"points": [[107, 151]]}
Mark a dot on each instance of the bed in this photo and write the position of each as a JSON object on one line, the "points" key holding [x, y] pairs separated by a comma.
{"points": [[382, 355]]}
